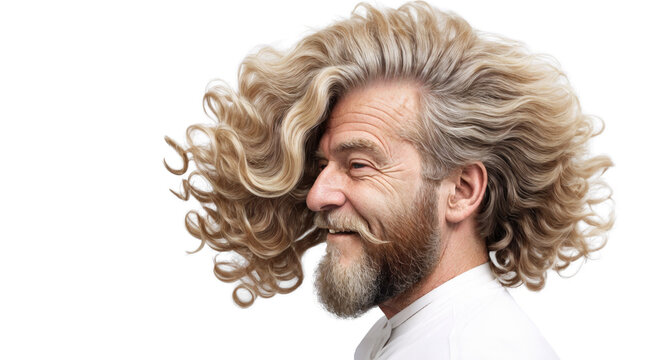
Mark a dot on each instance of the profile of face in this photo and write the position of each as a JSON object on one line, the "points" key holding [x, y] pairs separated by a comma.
{"points": [[380, 215]]}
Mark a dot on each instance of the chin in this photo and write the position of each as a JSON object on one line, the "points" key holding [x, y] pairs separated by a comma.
{"points": [[346, 286]]}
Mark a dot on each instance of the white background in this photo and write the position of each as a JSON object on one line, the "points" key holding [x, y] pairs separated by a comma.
{"points": [[92, 257]]}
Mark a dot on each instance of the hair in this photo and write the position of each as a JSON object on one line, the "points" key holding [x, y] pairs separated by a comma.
{"points": [[483, 98]]}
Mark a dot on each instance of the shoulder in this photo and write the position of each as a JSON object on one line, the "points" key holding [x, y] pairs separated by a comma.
{"points": [[494, 327]]}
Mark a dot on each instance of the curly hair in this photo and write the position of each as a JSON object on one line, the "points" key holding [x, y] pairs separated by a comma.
{"points": [[483, 98]]}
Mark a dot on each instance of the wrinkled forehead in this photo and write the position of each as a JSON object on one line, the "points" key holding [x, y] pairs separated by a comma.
{"points": [[378, 110]]}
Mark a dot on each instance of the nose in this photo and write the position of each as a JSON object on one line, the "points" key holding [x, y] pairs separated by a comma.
{"points": [[327, 192]]}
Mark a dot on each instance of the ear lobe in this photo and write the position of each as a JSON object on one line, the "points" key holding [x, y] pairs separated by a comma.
{"points": [[467, 189]]}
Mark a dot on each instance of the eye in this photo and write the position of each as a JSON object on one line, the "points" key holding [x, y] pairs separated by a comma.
{"points": [[360, 166], [322, 165]]}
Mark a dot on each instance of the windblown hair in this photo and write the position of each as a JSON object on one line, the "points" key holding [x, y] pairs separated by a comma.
{"points": [[484, 98]]}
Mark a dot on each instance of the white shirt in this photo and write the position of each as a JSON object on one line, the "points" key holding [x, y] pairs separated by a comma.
{"points": [[471, 316]]}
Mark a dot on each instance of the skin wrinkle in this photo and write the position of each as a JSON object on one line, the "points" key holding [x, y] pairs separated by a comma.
{"points": [[369, 130], [381, 180], [362, 145], [349, 284], [482, 97], [387, 166], [393, 171], [377, 199], [386, 109], [402, 111], [357, 145]]}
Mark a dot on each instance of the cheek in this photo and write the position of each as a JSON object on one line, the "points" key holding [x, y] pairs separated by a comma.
{"points": [[409, 228], [374, 205]]}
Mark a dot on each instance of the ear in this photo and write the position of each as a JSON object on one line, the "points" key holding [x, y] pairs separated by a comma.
{"points": [[466, 189]]}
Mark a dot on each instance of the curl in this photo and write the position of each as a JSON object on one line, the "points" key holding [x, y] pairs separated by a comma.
{"points": [[484, 98]]}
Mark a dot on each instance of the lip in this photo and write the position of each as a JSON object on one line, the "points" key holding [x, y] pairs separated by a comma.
{"points": [[341, 237]]}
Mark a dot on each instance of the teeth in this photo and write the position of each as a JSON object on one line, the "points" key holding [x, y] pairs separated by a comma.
{"points": [[332, 231]]}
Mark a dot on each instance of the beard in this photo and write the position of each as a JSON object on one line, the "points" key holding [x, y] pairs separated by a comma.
{"points": [[406, 251]]}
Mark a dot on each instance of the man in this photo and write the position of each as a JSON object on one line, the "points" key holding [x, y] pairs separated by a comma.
{"points": [[438, 164]]}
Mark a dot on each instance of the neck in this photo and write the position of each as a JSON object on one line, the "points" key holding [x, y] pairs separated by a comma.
{"points": [[459, 254]]}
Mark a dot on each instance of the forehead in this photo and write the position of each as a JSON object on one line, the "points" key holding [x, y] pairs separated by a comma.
{"points": [[375, 112]]}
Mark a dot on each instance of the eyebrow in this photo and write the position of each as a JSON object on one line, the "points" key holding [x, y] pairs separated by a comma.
{"points": [[358, 144]]}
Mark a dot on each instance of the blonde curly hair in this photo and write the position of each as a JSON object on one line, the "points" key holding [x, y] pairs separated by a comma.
{"points": [[484, 98]]}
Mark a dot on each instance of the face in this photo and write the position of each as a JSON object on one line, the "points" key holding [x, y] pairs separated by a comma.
{"points": [[379, 215]]}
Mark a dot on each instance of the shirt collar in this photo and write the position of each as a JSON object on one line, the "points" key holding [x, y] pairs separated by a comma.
{"points": [[445, 292]]}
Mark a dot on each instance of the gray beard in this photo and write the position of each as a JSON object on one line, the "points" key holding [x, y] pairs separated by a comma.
{"points": [[347, 291], [384, 271]]}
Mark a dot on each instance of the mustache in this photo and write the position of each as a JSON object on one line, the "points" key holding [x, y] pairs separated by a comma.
{"points": [[343, 222]]}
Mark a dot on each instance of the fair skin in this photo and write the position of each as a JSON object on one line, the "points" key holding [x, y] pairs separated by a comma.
{"points": [[366, 166]]}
